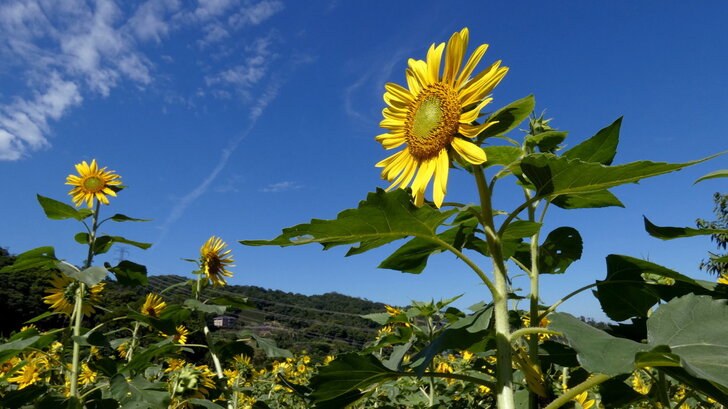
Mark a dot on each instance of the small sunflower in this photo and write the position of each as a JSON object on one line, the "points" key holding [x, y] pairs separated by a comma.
{"points": [[153, 305], [92, 183], [215, 261], [434, 117], [26, 376], [63, 295], [87, 375], [181, 336]]}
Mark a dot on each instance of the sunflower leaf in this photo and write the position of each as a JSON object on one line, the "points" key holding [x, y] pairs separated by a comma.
{"points": [[590, 200], [130, 274], [553, 175], [123, 218], [508, 118], [41, 258], [197, 305], [723, 173], [600, 148], [380, 219], [56, 210], [669, 233]]}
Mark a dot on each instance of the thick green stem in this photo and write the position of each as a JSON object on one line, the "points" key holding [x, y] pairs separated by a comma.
{"points": [[504, 364], [78, 306], [573, 392], [133, 343]]}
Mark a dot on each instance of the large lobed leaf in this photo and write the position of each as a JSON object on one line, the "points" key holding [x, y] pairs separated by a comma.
{"points": [[382, 218]]}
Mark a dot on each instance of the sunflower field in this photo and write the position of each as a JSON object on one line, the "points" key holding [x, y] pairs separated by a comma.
{"points": [[667, 347]]}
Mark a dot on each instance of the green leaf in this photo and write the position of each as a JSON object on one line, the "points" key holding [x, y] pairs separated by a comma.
{"points": [[233, 302], [122, 218], [94, 338], [553, 175], [723, 173], [546, 141], [600, 148], [268, 346], [102, 244], [56, 210], [205, 403], [41, 258], [139, 392], [16, 398], [130, 274], [669, 233], [508, 118], [382, 218], [622, 300], [227, 350], [501, 155], [90, 276], [13, 348], [143, 357], [693, 327], [412, 256], [520, 228], [598, 352], [615, 393], [591, 200], [41, 316], [463, 333], [197, 305], [562, 247], [348, 373]]}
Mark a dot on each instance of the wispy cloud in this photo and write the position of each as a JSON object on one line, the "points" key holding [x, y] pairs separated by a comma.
{"points": [[281, 187]]}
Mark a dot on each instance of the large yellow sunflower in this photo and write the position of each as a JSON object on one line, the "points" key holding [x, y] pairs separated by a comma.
{"points": [[92, 183], [62, 296], [434, 117], [215, 261]]}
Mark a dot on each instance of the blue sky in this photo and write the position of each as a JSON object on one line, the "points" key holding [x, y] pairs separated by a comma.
{"points": [[238, 118]]}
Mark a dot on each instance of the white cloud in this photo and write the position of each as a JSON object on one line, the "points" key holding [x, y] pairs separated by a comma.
{"points": [[150, 21], [24, 124], [244, 76], [256, 13], [281, 187], [208, 9]]}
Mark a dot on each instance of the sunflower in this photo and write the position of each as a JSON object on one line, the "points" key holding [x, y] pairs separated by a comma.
{"points": [[87, 375], [181, 336], [26, 376], [215, 260], [92, 183], [434, 117], [153, 305], [63, 295]]}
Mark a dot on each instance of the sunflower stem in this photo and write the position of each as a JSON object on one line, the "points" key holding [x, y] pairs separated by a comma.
{"points": [[133, 343], [78, 306], [504, 363], [576, 390]]}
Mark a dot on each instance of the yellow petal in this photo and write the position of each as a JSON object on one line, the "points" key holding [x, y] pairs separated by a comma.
{"points": [[470, 65], [469, 151], [434, 55], [439, 189], [472, 115], [454, 55], [424, 175], [399, 92], [419, 69]]}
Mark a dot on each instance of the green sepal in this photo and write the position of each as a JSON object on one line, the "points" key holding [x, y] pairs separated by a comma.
{"points": [[41, 258], [507, 118], [56, 210], [669, 233]]}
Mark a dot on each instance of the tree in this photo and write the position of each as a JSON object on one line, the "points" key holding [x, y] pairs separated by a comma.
{"points": [[713, 265]]}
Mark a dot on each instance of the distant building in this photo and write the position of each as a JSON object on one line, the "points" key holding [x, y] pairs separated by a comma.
{"points": [[223, 321]]}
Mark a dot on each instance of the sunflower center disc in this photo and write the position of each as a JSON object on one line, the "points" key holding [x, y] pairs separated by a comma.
{"points": [[92, 183], [432, 121]]}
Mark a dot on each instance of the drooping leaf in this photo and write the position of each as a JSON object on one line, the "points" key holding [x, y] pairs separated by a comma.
{"points": [[348, 373], [508, 118], [553, 175], [269, 346], [13, 348], [590, 200], [598, 352], [723, 173], [669, 233], [102, 244], [130, 274], [197, 305], [546, 141], [694, 328], [90, 276], [562, 247], [41, 258], [412, 256], [123, 218], [232, 302], [600, 148], [380, 219], [56, 210]]}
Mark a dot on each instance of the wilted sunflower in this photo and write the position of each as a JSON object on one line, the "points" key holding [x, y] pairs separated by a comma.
{"points": [[63, 295], [92, 183], [215, 261], [434, 117], [153, 305]]}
